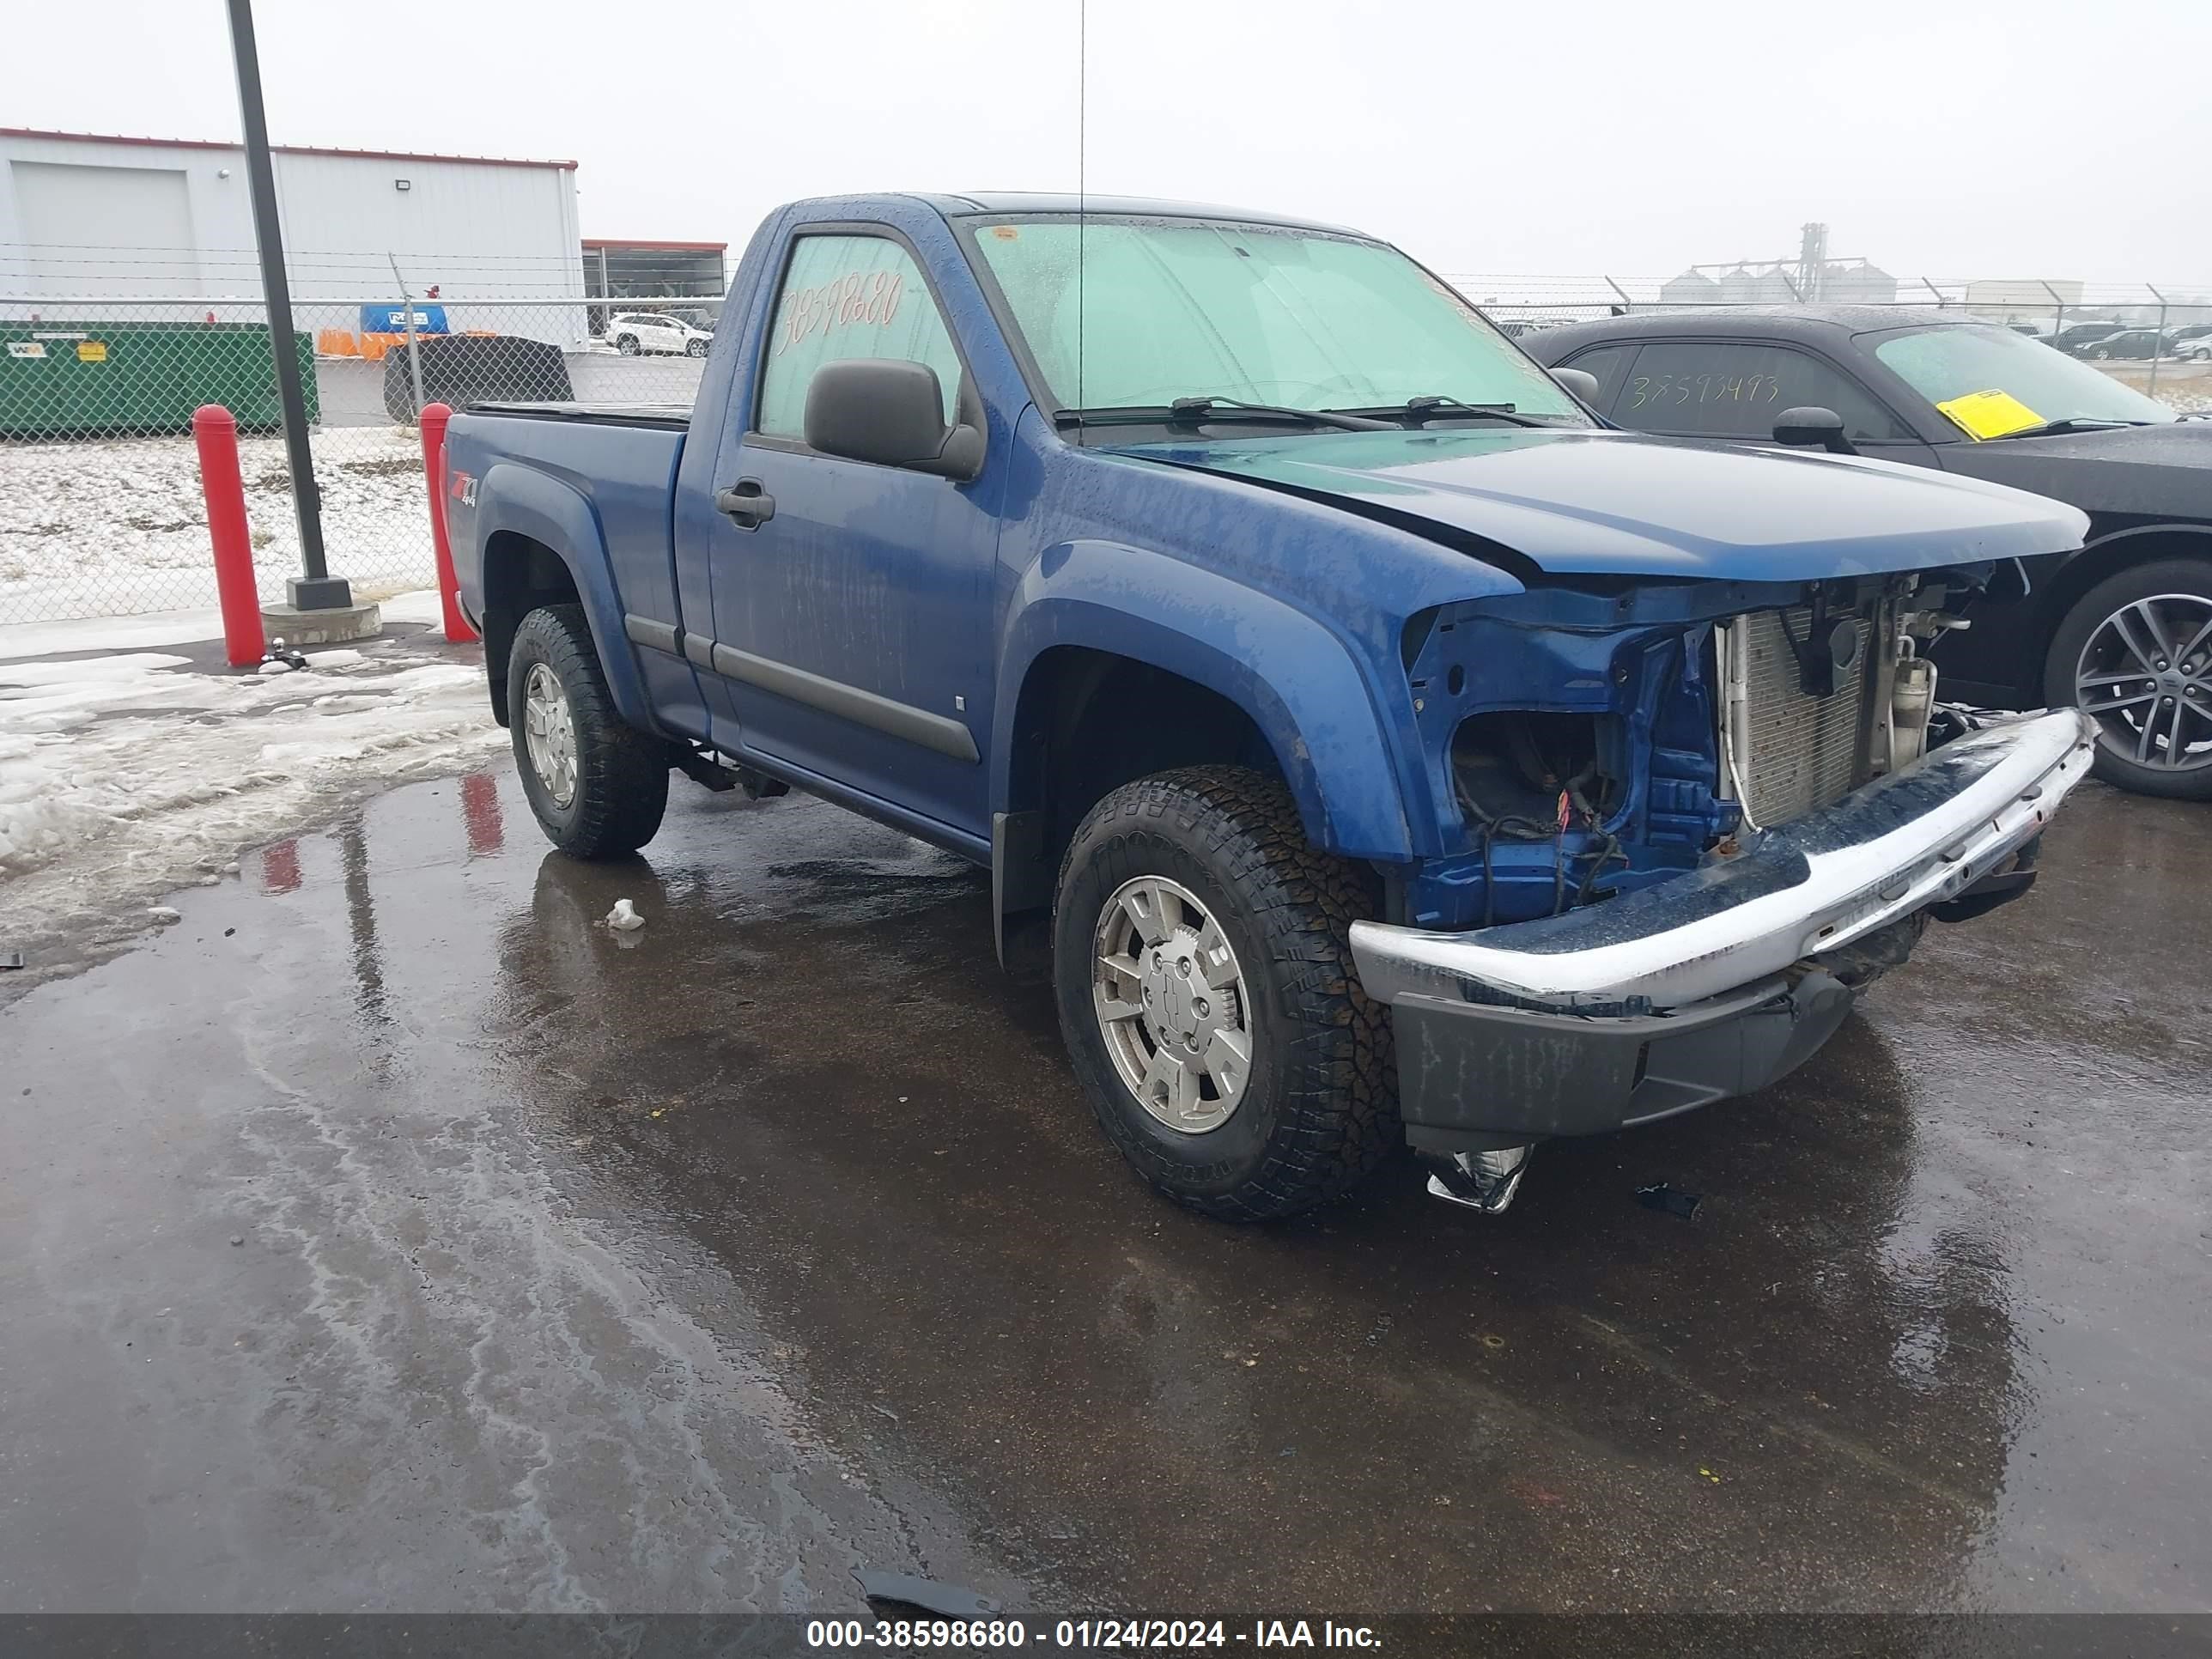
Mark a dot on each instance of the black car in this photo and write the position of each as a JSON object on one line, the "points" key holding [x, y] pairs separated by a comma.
{"points": [[2135, 343], [2123, 627], [2077, 335]]}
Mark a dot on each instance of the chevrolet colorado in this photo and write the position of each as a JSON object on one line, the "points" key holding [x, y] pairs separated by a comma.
{"points": [[1368, 742]]}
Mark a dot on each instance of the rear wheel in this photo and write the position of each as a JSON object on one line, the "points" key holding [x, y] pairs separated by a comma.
{"points": [[2136, 654], [627, 345], [1207, 996], [598, 787]]}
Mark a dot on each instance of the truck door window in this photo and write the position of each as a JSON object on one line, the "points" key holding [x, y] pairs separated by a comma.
{"points": [[845, 297], [1732, 389]]}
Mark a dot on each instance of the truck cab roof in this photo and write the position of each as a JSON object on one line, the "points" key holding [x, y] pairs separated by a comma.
{"points": [[972, 203]]}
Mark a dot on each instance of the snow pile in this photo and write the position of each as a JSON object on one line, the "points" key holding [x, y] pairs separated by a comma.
{"points": [[118, 528], [124, 776]]}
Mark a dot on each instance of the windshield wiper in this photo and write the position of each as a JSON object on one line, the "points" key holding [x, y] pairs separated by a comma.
{"points": [[1187, 411], [1208, 408], [2071, 423], [1421, 411]]}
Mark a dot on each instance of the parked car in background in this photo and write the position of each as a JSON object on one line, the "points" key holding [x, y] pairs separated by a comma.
{"points": [[2138, 344], [2122, 628], [2074, 336], [2188, 332], [2198, 349], [634, 333], [1309, 669]]}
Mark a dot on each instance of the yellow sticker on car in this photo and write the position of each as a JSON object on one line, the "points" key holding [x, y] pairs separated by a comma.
{"points": [[1990, 413]]}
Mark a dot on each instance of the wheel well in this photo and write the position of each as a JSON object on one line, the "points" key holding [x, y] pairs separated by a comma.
{"points": [[2109, 552], [519, 575], [1086, 723], [1090, 722]]}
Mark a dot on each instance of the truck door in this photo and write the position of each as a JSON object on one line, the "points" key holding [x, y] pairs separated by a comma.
{"points": [[853, 602]]}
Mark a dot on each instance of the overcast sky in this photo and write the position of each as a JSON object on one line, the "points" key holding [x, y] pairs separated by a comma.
{"points": [[1951, 139]]}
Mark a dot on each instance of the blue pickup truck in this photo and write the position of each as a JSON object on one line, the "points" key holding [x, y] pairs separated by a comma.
{"points": [[1371, 746]]}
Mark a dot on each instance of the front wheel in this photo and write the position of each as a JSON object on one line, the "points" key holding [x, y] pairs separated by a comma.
{"points": [[695, 348], [2136, 654], [1207, 992], [598, 787]]}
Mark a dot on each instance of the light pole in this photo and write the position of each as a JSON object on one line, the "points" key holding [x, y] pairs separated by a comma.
{"points": [[316, 589]]}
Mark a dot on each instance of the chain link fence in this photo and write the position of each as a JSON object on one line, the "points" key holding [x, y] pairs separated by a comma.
{"points": [[101, 508], [101, 511]]}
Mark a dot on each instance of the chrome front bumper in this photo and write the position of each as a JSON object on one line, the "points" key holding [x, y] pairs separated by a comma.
{"points": [[1915, 838]]}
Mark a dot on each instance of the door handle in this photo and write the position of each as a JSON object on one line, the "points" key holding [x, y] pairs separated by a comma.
{"points": [[749, 506]]}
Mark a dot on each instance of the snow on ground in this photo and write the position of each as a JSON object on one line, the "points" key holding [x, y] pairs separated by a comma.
{"points": [[117, 526], [124, 776], [89, 634]]}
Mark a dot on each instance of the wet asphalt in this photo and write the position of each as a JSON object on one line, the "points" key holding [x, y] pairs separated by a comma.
{"points": [[388, 1234]]}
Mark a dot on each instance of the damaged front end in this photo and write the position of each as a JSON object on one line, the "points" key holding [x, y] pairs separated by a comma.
{"points": [[1680, 866]]}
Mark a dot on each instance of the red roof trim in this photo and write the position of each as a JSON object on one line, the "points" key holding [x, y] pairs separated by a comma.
{"points": [[281, 149], [675, 247]]}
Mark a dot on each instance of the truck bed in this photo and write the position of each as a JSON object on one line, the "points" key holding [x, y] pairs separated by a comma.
{"points": [[669, 416], [620, 459]]}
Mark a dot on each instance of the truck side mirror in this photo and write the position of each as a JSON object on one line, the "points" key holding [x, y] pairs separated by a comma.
{"points": [[1580, 381], [1811, 427], [890, 411]]}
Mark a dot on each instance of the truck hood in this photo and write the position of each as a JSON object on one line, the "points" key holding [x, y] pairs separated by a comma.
{"points": [[1591, 502]]}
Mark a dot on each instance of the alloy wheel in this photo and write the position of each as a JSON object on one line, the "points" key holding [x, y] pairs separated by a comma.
{"points": [[1171, 1005], [2146, 675], [549, 732]]}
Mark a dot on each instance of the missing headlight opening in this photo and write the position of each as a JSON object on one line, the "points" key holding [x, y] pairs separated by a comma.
{"points": [[1529, 777]]}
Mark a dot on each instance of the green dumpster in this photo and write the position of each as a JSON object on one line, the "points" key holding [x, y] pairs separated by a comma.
{"points": [[72, 380]]}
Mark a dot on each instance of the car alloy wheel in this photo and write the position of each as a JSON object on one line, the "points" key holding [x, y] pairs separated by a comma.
{"points": [[2146, 675], [549, 734], [1171, 1005]]}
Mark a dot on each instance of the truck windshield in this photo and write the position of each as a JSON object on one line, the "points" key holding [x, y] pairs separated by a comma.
{"points": [[1952, 366], [1169, 309]]}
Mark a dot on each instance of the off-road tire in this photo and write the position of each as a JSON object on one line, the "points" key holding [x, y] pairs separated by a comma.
{"points": [[1320, 1110], [2185, 576], [621, 773]]}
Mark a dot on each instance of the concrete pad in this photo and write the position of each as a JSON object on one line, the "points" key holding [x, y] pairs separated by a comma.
{"points": [[332, 627]]}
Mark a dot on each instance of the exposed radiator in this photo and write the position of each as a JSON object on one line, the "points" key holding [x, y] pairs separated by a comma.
{"points": [[1798, 753]]}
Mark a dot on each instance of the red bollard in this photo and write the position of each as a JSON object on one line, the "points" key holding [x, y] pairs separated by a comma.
{"points": [[216, 434], [433, 419]]}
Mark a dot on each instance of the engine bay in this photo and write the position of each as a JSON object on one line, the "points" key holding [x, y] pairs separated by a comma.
{"points": [[1669, 744]]}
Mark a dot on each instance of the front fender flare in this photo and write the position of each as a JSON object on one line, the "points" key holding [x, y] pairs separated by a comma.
{"points": [[1298, 682], [521, 501]]}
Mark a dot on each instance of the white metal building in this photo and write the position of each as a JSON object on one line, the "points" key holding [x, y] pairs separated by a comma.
{"points": [[84, 215]]}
